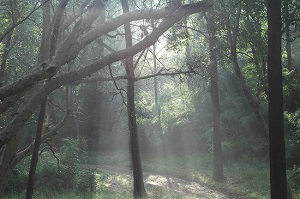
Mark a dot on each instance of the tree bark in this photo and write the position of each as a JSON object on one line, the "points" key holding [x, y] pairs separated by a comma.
{"points": [[276, 126], [218, 174], [138, 181]]}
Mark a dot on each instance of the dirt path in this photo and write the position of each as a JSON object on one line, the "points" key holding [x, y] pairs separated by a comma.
{"points": [[183, 187], [179, 188]]}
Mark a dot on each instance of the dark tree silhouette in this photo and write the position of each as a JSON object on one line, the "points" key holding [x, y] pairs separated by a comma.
{"points": [[276, 126]]}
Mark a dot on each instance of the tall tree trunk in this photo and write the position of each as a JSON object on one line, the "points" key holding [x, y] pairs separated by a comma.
{"points": [[139, 189], [35, 154], [276, 136], [218, 174], [138, 181]]}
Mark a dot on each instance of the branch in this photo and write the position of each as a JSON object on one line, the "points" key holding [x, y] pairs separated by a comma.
{"points": [[77, 15], [70, 49], [106, 79], [29, 149], [24, 84], [159, 73], [68, 52], [15, 126], [15, 24], [193, 29], [9, 102], [115, 83]]}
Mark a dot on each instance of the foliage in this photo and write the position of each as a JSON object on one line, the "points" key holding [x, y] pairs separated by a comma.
{"points": [[292, 127], [291, 90], [246, 178], [18, 180], [73, 151], [84, 181], [294, 179], [183, 107], [58, 176]]}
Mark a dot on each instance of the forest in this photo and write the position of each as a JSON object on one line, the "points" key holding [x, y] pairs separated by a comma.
{"points": [[150, 99]]}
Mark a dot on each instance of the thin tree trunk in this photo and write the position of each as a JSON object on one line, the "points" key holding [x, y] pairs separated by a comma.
{"points": [[276, 136], [138, 181], [44, 57], [218, 174], [5, 56], [139, 189], [232, 40], [35, 154]]}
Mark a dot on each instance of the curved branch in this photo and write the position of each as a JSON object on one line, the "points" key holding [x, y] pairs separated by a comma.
{"points": [[70, 49], [15, 126]]}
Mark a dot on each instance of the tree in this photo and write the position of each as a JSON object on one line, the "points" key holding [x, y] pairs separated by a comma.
{"points": [[276, 127], [232, 38], [214, 93], [138, 181], [77, 32], [44, 56]]}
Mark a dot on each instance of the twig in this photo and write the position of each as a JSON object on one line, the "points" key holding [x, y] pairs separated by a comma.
{"points": [[120, 90]]}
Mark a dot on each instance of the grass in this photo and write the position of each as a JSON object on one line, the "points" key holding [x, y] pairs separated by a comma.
{"points": [[243, 178], [246, 178]]}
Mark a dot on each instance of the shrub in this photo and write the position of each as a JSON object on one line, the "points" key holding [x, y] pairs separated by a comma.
{"points": [[73, 151], [84, 180], [294, 178], [58, 176]]}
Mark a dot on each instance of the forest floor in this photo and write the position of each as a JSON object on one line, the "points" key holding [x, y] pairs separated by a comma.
{"points": [[169, 186]]}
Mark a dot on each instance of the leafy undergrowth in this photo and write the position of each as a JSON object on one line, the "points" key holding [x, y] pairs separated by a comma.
{"points": [[118, 186], [171, 177]]}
